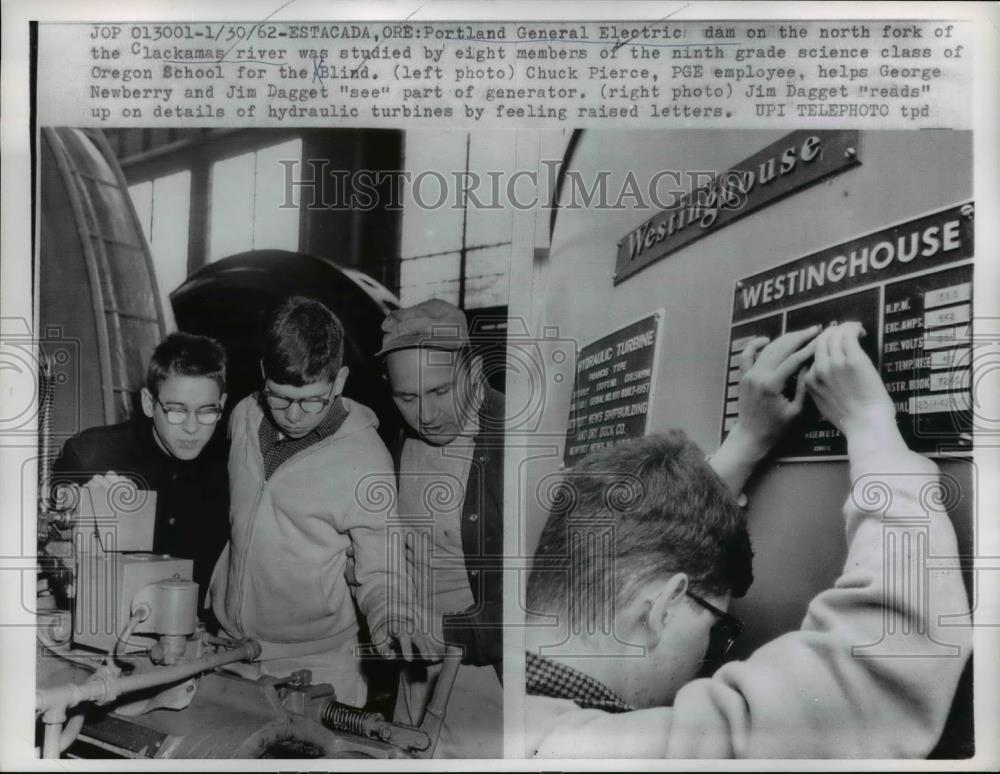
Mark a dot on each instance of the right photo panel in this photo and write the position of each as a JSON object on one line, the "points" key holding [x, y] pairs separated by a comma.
{"points": [[748, 542]]}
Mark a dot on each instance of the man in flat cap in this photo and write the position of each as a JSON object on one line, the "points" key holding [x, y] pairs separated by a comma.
{"points": [[449, 462]]}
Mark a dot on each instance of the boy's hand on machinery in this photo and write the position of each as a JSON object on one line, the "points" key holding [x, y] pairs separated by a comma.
{"points": [[417, 645], [847, 388], [405, 645], [765, 411], [429, 650], [384, 639], [108, 479], [401, 639]]}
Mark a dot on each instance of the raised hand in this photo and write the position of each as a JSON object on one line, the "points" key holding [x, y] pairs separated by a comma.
{"points": [[844, 383], [765, 411]]}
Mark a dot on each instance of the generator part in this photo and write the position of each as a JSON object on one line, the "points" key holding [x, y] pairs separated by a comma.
{"points": [[300, 678], [55, 560], [64, 501], [114, 517], [438, 704], [104, 688], [174, 698], [109, 583], [140, 613], [70, 731], [92, 248], [50, 742], [307, 699], [57, 550], [169, 649], [296, 737], [63, 655], [55, 628], [293, 737], [343, 717], [230, 717], [57, 740], [174, 603], [373, 725]]}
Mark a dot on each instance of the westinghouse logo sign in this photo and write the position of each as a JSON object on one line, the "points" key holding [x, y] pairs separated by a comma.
{"points": [[788, 165], [931, 241]]}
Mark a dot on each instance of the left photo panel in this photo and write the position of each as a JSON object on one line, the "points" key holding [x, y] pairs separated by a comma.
{"points": [[271, 436]]}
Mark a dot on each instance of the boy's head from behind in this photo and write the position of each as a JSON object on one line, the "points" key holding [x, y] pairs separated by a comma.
{"points": [[302, 365], [640, 537]]}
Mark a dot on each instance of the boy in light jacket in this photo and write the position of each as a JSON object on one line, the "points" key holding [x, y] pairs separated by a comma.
{"points": [[307, 472]]}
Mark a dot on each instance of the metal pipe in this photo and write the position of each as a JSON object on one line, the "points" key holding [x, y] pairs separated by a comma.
{"points": [[446, 680], [438, 705], [140, 614], [70, 731], [50, 744], [65, 652], [247, 651], [103, 688]]}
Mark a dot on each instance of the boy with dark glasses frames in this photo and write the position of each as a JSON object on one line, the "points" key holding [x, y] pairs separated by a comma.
{"points": [[171, 448], [636, 566], [308, 472]]}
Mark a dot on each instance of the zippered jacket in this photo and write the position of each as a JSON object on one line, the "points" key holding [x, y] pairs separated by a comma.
{"points": [[281, 579]]}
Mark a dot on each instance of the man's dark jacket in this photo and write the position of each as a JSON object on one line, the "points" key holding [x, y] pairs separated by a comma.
{"points": [[192, 497], [479, 630]]}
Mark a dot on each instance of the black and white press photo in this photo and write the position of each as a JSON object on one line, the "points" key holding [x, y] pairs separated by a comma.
{"points": [[271, 490], [747, 543], [596, 386]]}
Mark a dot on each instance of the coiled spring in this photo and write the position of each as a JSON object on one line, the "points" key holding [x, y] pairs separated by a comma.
{"points": [[342, 717], [46, 394]]}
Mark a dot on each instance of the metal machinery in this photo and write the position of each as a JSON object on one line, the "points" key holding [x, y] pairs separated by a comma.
{"points": [[99, 314], [126, 669]]}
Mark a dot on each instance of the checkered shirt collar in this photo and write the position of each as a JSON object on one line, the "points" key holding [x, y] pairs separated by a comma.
{"points": [[277, 449], [545, 677]]}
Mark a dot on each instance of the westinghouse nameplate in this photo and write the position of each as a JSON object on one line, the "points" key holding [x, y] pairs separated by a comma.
{"points": [[910, 286], [792, 163]]}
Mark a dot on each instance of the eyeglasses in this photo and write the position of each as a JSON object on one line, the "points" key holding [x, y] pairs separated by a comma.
{"points": [[175, 415], [308, 405], [724, 631]]}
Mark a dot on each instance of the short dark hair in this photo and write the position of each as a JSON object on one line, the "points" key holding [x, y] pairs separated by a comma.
{"points": [[185, 354], [303, 344], [647, 508]]}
